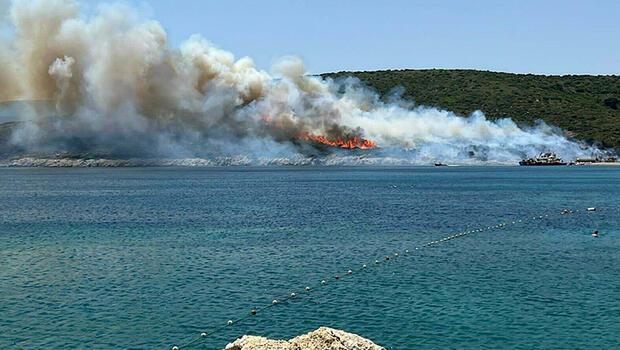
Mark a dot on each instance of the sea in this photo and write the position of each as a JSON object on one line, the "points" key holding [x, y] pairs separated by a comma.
{"points": [[150, 258]]}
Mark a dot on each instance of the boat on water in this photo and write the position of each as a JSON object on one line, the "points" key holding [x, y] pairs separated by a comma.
{"points": [[608, 160], [544, 159], [440, 164]]}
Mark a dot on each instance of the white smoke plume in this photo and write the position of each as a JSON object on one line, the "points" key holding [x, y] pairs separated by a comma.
{"points": [[115, 87]]}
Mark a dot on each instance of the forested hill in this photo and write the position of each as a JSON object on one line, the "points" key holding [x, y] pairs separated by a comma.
{"points": [[586, 106]]}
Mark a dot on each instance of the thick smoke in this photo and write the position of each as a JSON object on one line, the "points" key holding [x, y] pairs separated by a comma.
{"points": [[114, 87]]}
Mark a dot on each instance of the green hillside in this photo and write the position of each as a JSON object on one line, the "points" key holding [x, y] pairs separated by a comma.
{"points": [[586, 106]]}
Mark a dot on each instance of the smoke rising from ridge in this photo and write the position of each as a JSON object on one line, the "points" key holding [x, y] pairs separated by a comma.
{"points": [[116, 87]]}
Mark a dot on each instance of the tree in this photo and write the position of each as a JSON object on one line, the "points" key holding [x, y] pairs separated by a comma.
{"points": [[611, 102]]}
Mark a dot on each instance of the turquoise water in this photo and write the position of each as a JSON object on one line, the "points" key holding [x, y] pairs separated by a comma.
{"points": [[148, 258]]}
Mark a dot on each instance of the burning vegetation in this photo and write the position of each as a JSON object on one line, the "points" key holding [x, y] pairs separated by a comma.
{"points": [[352, 142]]}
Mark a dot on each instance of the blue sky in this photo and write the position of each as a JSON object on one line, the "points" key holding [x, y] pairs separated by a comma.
{"points": [[548, 37]]}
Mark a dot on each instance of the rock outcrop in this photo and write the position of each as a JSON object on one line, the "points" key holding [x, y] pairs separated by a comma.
{"points": [[323, 338]]}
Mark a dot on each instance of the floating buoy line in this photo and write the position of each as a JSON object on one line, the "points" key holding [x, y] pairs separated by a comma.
{"points": [[203, 336]]}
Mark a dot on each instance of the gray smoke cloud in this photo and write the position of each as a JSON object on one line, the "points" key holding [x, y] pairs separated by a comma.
{"points": [[112, 85]]}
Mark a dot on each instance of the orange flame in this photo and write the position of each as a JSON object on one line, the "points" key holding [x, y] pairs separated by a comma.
{"points": [[354, 142]]}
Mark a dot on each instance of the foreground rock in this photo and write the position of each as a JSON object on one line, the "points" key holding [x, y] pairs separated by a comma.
{"points": [[321, 339]]}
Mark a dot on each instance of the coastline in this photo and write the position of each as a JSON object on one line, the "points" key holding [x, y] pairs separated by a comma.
{"points": [[244, 161], [32, 162], [234, 162]]}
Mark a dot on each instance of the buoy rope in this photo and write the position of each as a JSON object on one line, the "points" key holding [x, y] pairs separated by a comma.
{"points": [[202, 338]]}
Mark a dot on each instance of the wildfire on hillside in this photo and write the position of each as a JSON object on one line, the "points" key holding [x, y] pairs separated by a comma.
{"points": [[354, 142]]}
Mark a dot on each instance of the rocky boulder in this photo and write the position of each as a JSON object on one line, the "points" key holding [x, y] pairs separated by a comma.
{"points": [[323, 338]]}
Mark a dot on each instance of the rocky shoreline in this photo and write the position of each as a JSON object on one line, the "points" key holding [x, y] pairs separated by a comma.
{"points": [[330, 160], [33, 162], [323, 338]]}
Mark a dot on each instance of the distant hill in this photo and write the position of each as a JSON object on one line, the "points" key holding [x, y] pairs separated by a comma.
{"points": [[586, 106]]}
